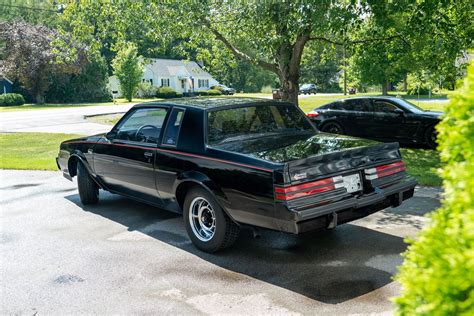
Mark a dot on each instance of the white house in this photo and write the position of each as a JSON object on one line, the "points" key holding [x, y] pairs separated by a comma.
{"points": [[181, 75]]}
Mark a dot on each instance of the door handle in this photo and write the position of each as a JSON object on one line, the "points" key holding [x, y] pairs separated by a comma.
{"points": [[90, 151], [148, 154]]}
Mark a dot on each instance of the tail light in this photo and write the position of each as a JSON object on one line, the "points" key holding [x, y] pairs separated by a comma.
{"points": [[309, 188], [312, 114], [384, 170]]}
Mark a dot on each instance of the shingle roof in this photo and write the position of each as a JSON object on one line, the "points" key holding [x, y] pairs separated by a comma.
{"points": [[173, 67]]}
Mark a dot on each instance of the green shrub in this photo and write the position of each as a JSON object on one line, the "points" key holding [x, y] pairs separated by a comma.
{"points": [[168, 93], [211, 92], [217, 88], [10, 99], [437, 276], [146, 90]]}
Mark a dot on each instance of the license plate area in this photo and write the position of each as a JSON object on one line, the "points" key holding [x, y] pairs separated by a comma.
{"points": [[352, 182]]}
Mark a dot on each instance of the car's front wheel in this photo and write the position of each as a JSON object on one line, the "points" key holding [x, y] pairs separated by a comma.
{"points": [[333, 128], [88, 189], [208, 227]]}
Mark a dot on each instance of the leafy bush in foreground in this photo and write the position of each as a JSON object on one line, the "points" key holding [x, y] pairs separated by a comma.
{"points": [[437, 276], [10, 99]]}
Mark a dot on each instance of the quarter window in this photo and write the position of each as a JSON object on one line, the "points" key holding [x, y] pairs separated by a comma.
{"points": [[143, 125], [170, 137]]}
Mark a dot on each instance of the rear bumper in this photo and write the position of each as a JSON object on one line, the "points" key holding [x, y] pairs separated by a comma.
{"points": [[330, 215]]}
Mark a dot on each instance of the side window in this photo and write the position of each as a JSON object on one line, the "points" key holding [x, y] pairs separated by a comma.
{"points": [[359, 105], [143, 125], [384, 106], [170, 137]]}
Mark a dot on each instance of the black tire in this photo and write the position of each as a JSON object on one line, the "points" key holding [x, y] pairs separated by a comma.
{"points": [[88, 189], [430, 137], [333, 128], [226, 231]]}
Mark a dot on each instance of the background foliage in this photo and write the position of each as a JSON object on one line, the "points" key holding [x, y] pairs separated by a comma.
{"points": [[437, 276]]}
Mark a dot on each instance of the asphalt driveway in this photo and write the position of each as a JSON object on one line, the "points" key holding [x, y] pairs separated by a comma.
{"points": [[122, 257], [65, 120]]}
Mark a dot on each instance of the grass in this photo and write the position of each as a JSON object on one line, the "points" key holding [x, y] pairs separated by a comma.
{"points": [[422, 164], [37, 151], [47, 106], [32, 151]]}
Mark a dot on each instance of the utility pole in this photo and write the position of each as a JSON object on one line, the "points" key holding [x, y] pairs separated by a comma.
{"points": [[344, 62]]}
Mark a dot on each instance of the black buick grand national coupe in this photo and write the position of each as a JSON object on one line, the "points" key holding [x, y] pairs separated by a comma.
{"points": [[228, 162]]}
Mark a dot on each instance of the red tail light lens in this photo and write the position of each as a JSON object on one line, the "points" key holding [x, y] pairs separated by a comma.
{"points": [[384, 170], [312, 114], [305, 189]]}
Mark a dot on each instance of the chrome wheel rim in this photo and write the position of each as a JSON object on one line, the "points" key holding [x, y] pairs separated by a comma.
{"points": [[202, 219]]}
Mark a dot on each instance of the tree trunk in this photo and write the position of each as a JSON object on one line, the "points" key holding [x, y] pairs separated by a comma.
{"points": [[289, 87], [39, 98], [289, 60], [405, 83], [385, 88]]}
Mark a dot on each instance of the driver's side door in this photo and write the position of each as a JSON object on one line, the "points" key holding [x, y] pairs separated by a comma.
{"points": [[124, 160]]}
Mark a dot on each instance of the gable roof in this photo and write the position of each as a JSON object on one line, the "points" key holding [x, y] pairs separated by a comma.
{"points": [[180, 68]]}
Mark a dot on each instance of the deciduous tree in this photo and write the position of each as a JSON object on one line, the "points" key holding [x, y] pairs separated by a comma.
{"points": [[128, 67], [28, 55]]}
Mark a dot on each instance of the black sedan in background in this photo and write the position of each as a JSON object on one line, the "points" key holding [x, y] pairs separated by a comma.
{"points": [[308, 88], [379, 118]]}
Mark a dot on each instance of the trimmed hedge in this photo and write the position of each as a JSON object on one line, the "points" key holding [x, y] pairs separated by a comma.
{"points": [[437, 276], [211, 92], [168, 93], [11, 99]]}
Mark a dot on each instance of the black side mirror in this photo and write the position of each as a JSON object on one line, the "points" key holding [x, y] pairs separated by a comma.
{"points": [[110, 135]]}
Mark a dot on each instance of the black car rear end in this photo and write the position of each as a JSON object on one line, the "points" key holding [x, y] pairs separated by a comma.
{"points": [[327, 190]]}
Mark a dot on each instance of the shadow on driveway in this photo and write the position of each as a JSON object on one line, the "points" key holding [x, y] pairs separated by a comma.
{"points": [[329, 267]]}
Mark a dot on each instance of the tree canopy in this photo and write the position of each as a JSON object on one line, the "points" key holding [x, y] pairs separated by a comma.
{"points": [[273, 35]]}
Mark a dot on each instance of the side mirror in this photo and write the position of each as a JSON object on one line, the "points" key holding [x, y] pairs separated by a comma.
{"points": [[110, 135], [399, 112]]}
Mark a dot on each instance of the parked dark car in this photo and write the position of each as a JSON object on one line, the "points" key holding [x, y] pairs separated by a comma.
{"points": [[308, 88], [225, 163], [379, 118], [224, 89]]}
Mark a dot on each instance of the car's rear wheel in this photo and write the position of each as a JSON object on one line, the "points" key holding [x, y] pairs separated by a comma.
{"points": [[88, 189], [333, 128], [430, 137], [208, 227]]}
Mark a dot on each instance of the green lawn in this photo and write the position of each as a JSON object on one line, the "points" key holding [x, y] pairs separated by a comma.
{"points": [[69, 105], [37, 151], [422, 164], [34, 151]]}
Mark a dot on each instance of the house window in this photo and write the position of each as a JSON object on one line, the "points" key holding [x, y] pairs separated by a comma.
{"points": [[165, 82], [203, 83]]}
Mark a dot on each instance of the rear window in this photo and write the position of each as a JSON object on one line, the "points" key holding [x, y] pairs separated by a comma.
{"points": [[254, 121]]}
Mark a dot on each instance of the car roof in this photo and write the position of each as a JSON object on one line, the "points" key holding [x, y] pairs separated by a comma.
{"points": [[210, 103]]}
